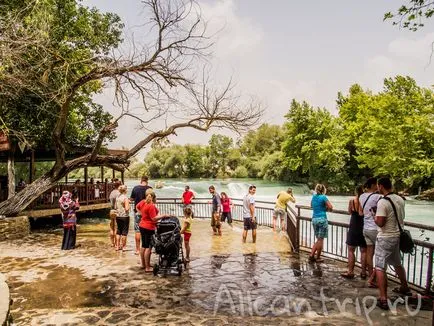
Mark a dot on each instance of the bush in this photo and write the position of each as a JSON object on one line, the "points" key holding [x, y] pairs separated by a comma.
{"points": [[241, 172]]}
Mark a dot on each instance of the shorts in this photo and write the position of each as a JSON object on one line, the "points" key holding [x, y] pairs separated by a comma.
{"points": [[146, 236], [320, 227], [249, 224], [279, 212], [227, 215], [216, 224], [137, 218], [370, 237], [213, 221], [123, 225], [387, 253], [187, 236]]}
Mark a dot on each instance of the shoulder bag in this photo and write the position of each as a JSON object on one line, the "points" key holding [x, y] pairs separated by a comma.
{"points": [[406, 243]]}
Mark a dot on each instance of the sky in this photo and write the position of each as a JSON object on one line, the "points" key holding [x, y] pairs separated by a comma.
{"points": [[279, 50]]}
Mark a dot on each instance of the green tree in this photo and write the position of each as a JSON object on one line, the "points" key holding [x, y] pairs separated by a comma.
{"points": [[398, 134], [313, 146], [219, 149], [195, 161], [57, 54]]}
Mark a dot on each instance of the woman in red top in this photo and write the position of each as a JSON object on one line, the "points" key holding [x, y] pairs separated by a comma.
{"points": [[227, 205], [147, 227]]}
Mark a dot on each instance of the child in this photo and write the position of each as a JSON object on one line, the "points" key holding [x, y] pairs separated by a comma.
{"points": [[217, 223], [186, 230]]}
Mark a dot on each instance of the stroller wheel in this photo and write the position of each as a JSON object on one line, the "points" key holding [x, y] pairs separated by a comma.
{"points": [[156, 269], [179, 269]]}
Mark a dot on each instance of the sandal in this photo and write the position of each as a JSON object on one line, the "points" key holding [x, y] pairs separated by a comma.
{"points": [[347, 275], [312, 259], [382, 304], [402, 291]]}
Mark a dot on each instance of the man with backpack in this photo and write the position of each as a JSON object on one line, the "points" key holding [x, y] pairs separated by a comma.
{"points": [[390, 212]]}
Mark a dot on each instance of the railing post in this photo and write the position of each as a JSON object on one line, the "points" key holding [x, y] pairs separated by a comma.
{"points": [[429, 275], [86, 186], [298, 228]]}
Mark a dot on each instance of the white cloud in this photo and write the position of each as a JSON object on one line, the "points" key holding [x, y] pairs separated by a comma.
{"points": [[235, 35], [413, 49], [404, 56]]}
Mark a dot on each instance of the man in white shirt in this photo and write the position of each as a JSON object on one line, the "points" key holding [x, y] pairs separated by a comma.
{"points": [[390, 210], [368, 204], [249, 214]]}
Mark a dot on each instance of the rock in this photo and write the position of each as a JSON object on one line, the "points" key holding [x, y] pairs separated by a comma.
{"points": [[426, 195]]}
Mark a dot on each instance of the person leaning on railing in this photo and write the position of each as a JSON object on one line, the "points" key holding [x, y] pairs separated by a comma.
{"points": [[355, 236], [320, 205], [283, 198]]}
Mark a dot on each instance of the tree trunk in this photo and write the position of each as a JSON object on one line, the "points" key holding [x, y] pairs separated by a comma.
{"points": [[15, 204], [11, 172]]}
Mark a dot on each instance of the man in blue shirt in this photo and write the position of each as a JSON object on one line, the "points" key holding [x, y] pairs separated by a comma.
{"points": [[138, 193]]}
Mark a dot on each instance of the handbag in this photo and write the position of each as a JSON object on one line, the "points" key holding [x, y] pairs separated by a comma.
{"points": [[406, 243]]}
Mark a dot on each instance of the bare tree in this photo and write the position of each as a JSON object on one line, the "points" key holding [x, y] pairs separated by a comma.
{"points": [[163, 75]]}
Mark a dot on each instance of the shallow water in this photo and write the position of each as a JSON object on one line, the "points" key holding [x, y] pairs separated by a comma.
{"points": [[227, 282]]}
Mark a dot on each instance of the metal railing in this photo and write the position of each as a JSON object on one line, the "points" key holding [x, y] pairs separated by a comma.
{"points": [[419, 266]]}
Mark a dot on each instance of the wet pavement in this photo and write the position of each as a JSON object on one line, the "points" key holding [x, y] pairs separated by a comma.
{"points": [[226, 282]]}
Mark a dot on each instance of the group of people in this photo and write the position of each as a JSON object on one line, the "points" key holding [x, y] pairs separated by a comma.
{"points": [[376, 213], [376, 216]]}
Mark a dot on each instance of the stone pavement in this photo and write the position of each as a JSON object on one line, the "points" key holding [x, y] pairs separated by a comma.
{"points": [[227, 282]]}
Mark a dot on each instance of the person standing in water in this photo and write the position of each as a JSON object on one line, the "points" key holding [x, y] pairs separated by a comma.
{"points": [[216, 207], [186, 231], [227, 206], [249, 216], [283, 198]]}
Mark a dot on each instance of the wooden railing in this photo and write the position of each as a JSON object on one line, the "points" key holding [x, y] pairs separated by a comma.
{"points": [[87, 195]]}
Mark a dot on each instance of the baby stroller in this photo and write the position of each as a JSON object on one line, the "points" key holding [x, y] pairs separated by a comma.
{"points": [[168, 246]]}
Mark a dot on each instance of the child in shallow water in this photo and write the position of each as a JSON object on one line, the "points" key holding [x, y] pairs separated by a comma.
{"points": [[218, 223], [186, 231]]}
